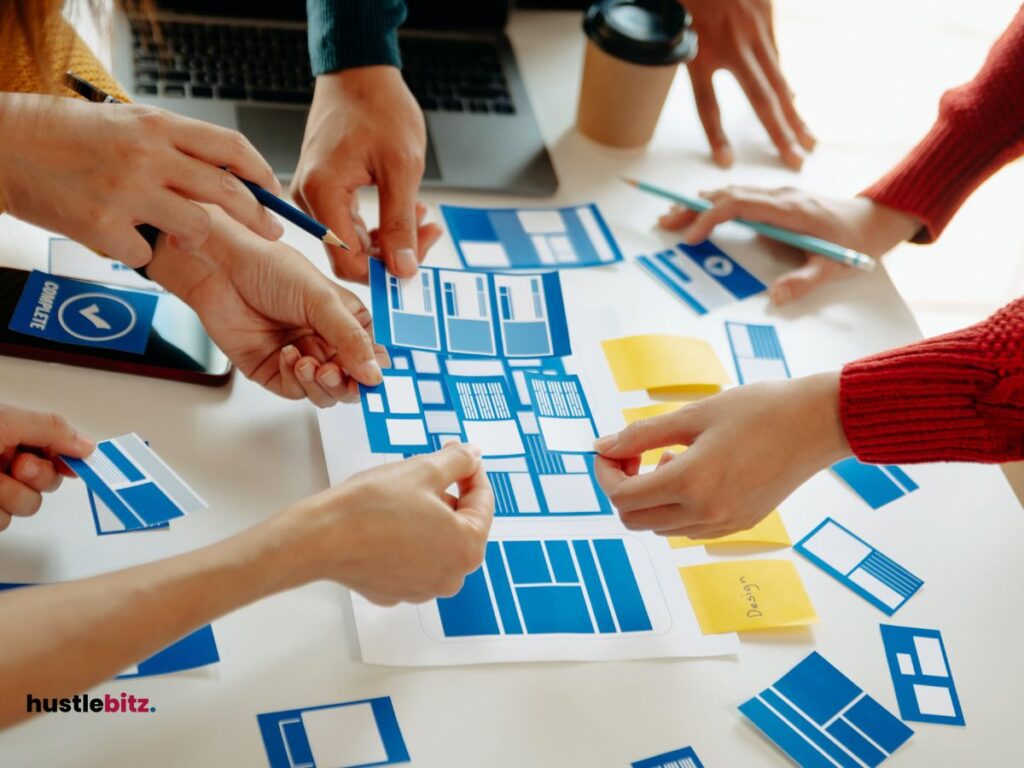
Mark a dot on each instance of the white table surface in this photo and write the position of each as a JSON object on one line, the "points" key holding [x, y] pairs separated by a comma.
{"points": [[250, 454]]}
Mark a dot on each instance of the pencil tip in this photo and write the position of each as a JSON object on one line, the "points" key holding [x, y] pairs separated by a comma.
{"points": [[332, 239], [631, 182]]}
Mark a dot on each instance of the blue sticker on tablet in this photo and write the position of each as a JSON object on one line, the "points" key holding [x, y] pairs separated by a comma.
{"points": [[69, 311], [921, 676]]}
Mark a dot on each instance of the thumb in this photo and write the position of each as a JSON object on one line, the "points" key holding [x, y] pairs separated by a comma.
{"points": [[476, 499], [455, 462], [799, 282], [398, 188], [41, 430], [656, 432]]}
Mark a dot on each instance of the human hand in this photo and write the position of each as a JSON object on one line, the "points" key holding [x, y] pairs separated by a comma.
{"points": [[365, 128], [30, 443], [394, 534], [284, 324], [95, 171], [739, 36], [858, 223], [749, 448]]}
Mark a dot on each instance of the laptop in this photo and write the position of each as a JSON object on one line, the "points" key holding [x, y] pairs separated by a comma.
{"points": [[245, 65]]}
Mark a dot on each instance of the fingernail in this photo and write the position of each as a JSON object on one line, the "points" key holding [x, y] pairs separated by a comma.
{"points": [[474, 450], [291, 355], [369, 372], [85, 445], [781, 294], [688, 236], [305, 372], [724, 156], [405, 261], [29, 469], [330, 378], [275, 228], [605, 443]]}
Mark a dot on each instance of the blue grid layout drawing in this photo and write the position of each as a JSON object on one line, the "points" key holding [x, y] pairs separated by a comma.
{"points": [[352, 734], [921, 676], [702, 276], [822, 719], [394, 415], [677, 758], [107, 523], [563, 414], [531, 238], [852, 561], [484, 409], [756, 352], [877, 485], [470, 313], [581, 586]]}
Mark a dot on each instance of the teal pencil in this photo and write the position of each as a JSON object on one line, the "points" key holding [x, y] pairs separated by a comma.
{"points": [[829, 250]]}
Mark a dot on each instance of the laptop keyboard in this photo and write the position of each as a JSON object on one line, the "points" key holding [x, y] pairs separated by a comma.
{"points": [[271, 64]]}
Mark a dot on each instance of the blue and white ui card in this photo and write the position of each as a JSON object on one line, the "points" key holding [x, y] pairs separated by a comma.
{"points": [[822, 719], [107, 523], [483, 405], [921, 676], [394, 414], [677, 758], [756, 352], [702, 276], [134, 483], [852, 561], [353, 734], [531, 238], [71, 259], [877, 485], [562, 412], [470, 313]]}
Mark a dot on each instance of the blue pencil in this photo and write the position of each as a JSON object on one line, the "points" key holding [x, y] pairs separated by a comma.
{"points": [[267, 199], [829, 250]]}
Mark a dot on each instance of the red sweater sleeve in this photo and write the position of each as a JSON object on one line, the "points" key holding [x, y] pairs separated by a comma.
{"points": [[958, 397], [980, 128]]}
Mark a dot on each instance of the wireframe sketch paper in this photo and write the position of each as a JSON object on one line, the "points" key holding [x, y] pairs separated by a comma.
{"points": [[921, 675], [756, 352], [876, 484], [702, 276]]}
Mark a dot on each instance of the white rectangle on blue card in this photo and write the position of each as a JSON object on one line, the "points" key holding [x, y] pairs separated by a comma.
{"points": [[921, 676], [470, 312], [531, 238], [134, 483], [486, 415], [394, 414], [876, 484], [562, 413], [852, 561], [756, 352], [352, 734], [677, 758]]}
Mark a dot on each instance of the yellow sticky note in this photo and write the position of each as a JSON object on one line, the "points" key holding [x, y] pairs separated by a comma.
{"points": [[743, 595], [769, 531], [664, 364], [646, 412]]}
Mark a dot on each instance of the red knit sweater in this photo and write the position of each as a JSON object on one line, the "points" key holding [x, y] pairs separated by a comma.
{"points": [[958, 397]]}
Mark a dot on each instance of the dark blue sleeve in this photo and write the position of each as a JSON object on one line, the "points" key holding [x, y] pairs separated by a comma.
{"points": [[353, 33]]}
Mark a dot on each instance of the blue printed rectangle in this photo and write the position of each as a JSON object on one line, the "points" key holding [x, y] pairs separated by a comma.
{"points": [[876, 484], [821, 719], [352, 734], [394, 414], [197, 649], [483, 405], [677, 758], [470, 312], [68, 311], [531, 238], [756, 352], [107, 523], [853, 562], [562, 412], [921, 675]]}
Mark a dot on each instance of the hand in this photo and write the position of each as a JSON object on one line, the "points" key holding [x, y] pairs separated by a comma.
{"points": [[749, 448], [365, 128], [274, 315], [30, 443], [738, 35], [858, 223], [95, 171], [394, 534]]}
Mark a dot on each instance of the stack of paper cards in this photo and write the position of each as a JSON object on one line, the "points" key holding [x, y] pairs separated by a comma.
{"points": [[743, 595], [531, 238], [702, 276], [821, 719], [677, 758], [353, 734], [768, 532], [921, 676], [852, 561], [135, 484], [756, 352], [661, 363], [470, 313], [877, 485]]}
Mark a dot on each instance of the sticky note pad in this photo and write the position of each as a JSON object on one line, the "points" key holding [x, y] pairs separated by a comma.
{"points": [[651, 457], [822, 719], [852, 561], [664, 363], [134, 483], [921, 676], [677, 758], [742, 595], [769, 531]]}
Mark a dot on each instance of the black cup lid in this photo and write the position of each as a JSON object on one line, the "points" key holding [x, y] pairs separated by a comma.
{"points": [[650, 32]]}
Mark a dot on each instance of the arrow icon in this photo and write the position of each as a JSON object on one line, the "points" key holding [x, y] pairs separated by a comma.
{"points": [[92, 314]]}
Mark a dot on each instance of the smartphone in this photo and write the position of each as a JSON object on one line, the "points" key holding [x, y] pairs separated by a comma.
{"points": [[177, 346]]}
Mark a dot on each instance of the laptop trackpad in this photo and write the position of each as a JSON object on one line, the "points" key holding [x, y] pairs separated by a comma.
{"points": [[276, 132]]}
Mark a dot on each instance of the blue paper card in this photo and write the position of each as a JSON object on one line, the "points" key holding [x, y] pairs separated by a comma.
{"points": [[677, 758], [394, 415], [821, 719], [134, 483], [921, 676], [69, 311], [483, 406], [877, 485], [849, 559], [107, 523], [702, 276], [470, 313], [756, 352], [353, 734], [562, 412], [531, 238]]}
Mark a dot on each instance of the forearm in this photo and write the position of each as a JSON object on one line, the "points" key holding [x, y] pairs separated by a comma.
{"points": [[353, 33]]}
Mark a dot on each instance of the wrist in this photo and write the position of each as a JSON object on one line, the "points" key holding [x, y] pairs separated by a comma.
{"points": [[883, 227], [315, 537], [819, 398]]}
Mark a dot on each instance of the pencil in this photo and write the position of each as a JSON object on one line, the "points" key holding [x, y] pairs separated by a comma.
{"points": [[267, 199], [839, 253]]}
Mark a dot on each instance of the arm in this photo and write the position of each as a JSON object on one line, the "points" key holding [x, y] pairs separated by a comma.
{"points": [[391, 533]]}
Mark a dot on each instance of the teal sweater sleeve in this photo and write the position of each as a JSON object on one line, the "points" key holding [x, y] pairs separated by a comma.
{"points": [[353, 33]]}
